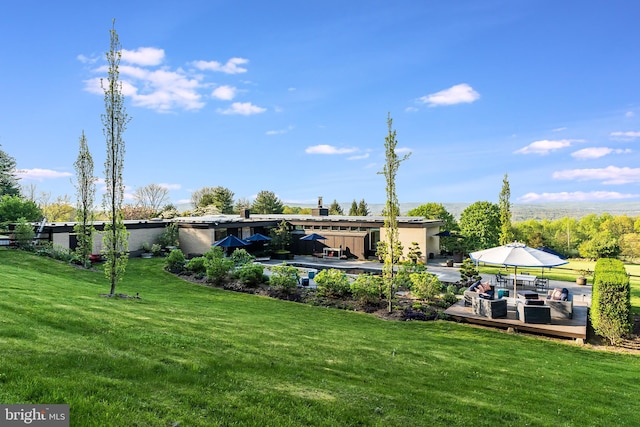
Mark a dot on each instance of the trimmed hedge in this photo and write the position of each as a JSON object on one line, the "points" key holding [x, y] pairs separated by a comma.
{"points": [[611, 300]]}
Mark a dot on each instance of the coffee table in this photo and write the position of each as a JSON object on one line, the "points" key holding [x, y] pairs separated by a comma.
{"points": [[527, 295]]}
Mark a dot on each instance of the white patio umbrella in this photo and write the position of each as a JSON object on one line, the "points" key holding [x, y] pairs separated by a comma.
{"points": [[517, 255]]}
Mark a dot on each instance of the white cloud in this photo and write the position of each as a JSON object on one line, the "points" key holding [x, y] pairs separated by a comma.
{"points": [[170, 186], [403, 150], [231, 67], [328, 149], [577, 196], [458, 94], [87, 60], [242, 108], [608, 175], [629, 114], [41, 174], [359, 157], [411, 109], [546, 146], [279, 132], [144, 56], [558, 129], [225, 92], [626, 136], [597, 152]]}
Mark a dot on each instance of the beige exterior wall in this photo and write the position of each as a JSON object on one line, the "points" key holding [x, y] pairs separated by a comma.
{"points": [[140, 235], [425, 237], [195, 240], [61, 239]]}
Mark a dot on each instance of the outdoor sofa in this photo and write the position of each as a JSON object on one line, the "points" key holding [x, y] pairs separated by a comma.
{"points": [[480, 297], [533, 311], [560, 303]]}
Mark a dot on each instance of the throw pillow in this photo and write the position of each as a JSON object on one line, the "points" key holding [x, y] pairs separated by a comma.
{"points": [[557, 294], [484, 287]]}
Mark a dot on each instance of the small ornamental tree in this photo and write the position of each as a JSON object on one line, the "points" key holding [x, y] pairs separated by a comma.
{"points": [[391, 210], [85, 193], [425, 285], [24, 234], [114, 120], [280, 236], [468, 272], [333, 283]]}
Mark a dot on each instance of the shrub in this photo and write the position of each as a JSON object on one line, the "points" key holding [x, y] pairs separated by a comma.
{"points": [[452, 289], [425, 285], [250, 274], [332, 283], [213, 253], [367, 288], [241, 257], [197, 265], [24, 234], [403, 277], [175, 261], [449, 299], [284, 277], [156, 249], [468, 272], [218, 269], [169, 236], [611, 300]]}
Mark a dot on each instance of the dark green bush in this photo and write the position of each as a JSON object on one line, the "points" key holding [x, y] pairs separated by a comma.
{"points": [[175, 261], [611, 300], [425, 285], [284, 277], [333, 283], [250, 274], [241, 257], [197, 265], [218, 269], [367, 288]]}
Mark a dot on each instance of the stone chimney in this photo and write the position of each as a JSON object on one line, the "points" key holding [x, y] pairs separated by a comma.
{"points": [[245, 213], [320, 211]]}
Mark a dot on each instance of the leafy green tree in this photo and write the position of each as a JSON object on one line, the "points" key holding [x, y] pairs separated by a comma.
{"points": [[335, 208], [602, 245], [353, 210], [8, 179], [434, 210], [280, 236], [618, 225], [630, 246], [220, 197], [85, 198], [392, 209], [480, 224], [13, 208], [506, 233], [114, 120], [363, 208], [267, 202]]}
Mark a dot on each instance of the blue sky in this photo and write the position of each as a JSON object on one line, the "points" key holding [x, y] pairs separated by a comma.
{"points": [[293, 96]]}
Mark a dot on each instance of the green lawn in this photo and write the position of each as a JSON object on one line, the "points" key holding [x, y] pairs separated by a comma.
{"points": [[193, 355]]}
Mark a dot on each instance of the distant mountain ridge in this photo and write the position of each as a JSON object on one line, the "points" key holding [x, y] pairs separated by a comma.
{"points": [[520, 211]]}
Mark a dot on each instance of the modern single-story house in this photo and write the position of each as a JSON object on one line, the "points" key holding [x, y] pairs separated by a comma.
{"points": [[356, 236]]}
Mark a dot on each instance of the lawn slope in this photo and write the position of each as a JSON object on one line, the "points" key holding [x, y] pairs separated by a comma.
{"points": [[193, 355]]}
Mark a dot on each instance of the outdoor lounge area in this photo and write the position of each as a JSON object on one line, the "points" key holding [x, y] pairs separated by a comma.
{"points": [[554, 313]]}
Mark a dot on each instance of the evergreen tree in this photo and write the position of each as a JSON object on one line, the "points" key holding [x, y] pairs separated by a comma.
{"points": [[267, 202], [114, 120], [85, 193], [335, 208], [354, 211], [506, 231], [363, 208], [391, 210], [8, 180]]}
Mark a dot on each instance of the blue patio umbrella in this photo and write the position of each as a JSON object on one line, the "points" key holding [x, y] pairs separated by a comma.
{"points": [[257, 238], [230, 242], [313, 236]]}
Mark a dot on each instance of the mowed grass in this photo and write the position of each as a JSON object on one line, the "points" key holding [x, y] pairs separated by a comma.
{"points": [[189, 355]]}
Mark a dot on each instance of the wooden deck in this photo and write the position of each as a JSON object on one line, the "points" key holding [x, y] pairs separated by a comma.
{"points": [[566, 328]]}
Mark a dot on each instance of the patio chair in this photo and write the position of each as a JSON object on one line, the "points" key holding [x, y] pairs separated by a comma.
{"points": [[501, 280], [489, 308], [529, 313], [542, 284]]}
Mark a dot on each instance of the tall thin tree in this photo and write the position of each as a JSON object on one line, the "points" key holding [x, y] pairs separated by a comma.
{"points": [[506, 231], [391, 211], [85, 194], [114, 120]]}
